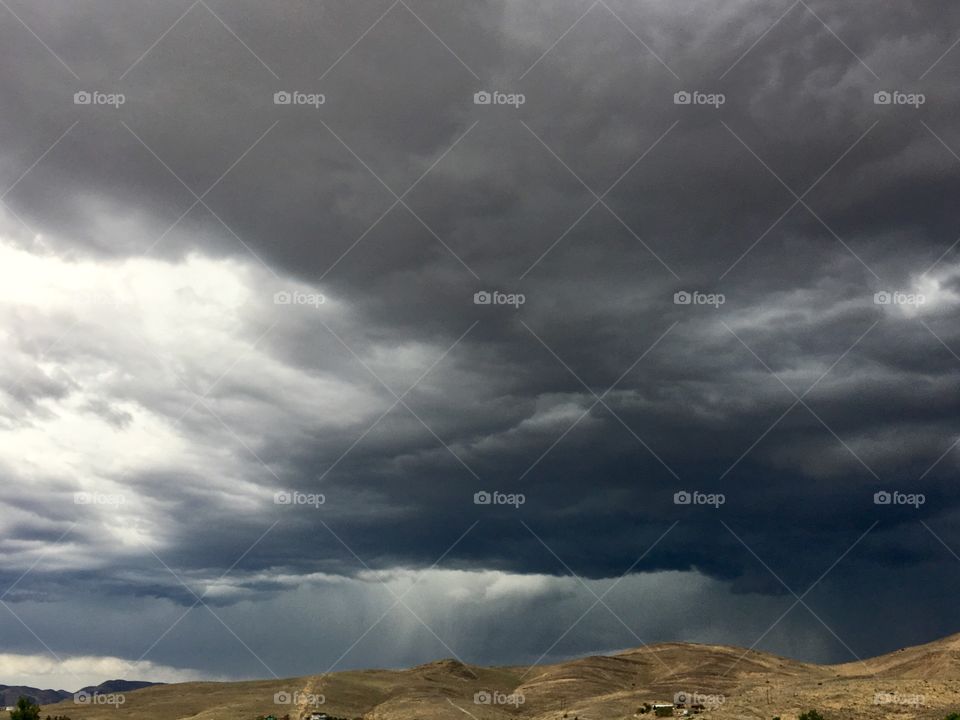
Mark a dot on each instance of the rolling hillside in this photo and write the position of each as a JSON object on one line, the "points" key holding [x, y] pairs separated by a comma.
{"points": [[9, 694], [917, 682]]}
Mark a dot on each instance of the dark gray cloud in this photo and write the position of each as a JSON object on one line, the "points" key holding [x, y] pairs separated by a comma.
{"points": [[147, 361]]}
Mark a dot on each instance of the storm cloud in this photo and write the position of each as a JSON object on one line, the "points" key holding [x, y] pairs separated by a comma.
{"points": [[285, 286]]}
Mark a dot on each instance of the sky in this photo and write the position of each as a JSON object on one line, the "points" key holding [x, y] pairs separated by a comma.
{"points": [[341, 334]]}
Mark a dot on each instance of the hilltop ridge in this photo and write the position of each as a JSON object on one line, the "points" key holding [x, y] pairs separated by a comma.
{"points": [[921, 682]]}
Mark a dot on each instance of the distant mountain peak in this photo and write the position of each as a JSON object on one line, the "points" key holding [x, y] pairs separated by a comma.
{"points": [[9, 694]]}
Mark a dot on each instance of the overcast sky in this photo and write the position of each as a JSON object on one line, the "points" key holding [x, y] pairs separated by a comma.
{"points": [[249, 392]]}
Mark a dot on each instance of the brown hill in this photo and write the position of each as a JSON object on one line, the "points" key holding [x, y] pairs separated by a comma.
{"points": [[937, 660], [918, 682]]}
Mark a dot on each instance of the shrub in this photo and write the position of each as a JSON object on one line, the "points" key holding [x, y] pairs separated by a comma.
{"points": [[25, 710]]}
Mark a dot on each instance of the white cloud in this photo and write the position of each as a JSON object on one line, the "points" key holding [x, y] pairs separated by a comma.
{"points": [[72, 673], [144, 368]]}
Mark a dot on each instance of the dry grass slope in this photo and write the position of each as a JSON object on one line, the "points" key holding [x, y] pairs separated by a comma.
{"points": [[753, 684]]}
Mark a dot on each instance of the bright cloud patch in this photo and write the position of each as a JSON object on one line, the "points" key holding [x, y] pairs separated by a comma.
{"points": [[119, 372], [73, 673]]}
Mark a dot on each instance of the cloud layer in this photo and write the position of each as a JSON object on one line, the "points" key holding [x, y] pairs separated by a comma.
{"points": [[211, 301]]}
